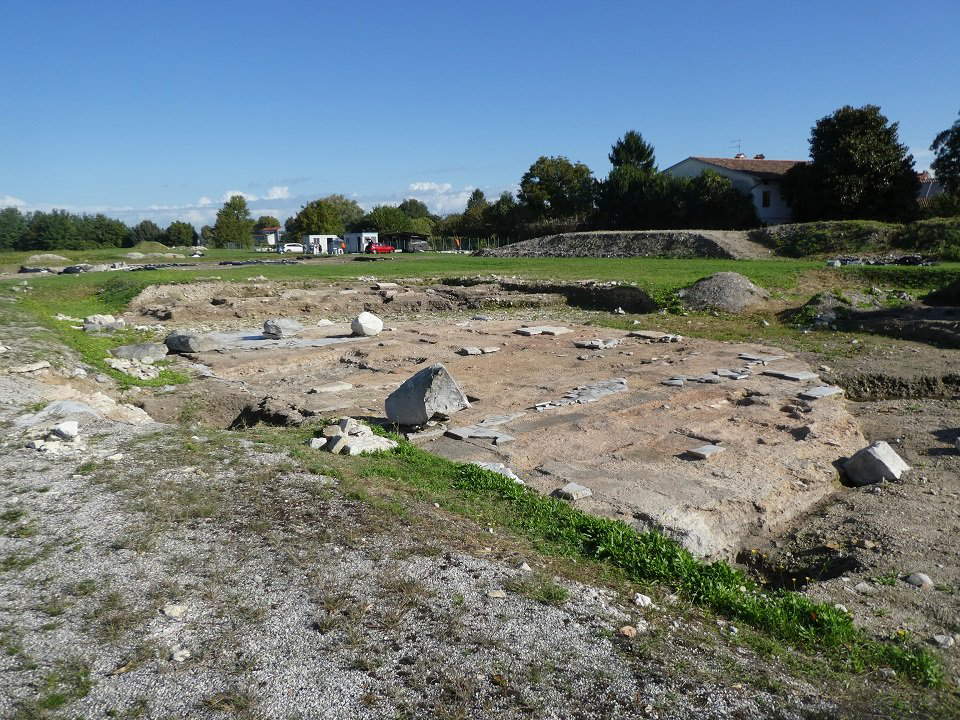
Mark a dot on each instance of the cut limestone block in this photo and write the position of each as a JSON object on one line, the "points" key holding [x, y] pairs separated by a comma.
{"points": [[491, 349], [823, 391], [469, 351], [705, 452], [573, 491], [874, 463], [598, 344], [543, 330], [140, 351], [363, 444], [276, 328], [498, 468], [795, 375], [426, 393], [179, 342]]}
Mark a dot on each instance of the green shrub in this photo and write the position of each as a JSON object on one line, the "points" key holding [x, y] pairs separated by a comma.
{"points": [[938, 236], [826, 237]]}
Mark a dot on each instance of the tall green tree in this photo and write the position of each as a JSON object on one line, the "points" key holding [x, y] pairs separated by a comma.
{"points": [[145, 231], [556, 188], [858, 169], [946, 162], [102, 231], [13, 226], [503, 217], [384, 218], [265, 221], [319, 217], [206, 235], [181, 233], [347, 209], [54, 230], [234, 225], [633, 150], [414, 208]]}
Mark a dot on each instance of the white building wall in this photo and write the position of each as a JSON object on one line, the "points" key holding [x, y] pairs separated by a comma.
{"points": [[776, 213], [357, 241]]}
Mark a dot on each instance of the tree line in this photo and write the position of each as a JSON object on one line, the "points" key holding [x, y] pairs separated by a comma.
{"points": [[858, 169], [63, 230]]}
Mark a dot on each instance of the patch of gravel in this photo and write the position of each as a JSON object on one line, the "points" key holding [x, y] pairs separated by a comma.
{"points": [[646, 243], [725, 291]]}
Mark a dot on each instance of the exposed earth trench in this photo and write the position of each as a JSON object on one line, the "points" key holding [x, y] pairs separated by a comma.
{"points": [[208, 573]]}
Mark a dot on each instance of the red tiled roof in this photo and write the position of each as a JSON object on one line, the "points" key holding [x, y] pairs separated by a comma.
{"points": [[766, 168]]}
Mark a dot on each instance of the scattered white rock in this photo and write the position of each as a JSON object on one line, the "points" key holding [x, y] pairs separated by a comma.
{"points": [[333, 387], [574, 491], [100, 323], [180, 654], [67, 430], [366, 324], [174, 611], [943, 642], [920, 580], [317, 443], [496, 594], [641, 600], [30, 367], [705, 452]]}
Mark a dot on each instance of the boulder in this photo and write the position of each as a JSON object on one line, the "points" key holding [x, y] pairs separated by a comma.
{"points": [[366, 324], [67, 430], [178, 342], [281, 327], [726, 291], [426, 393], [141, 351], [874, 463], [99, 323]]}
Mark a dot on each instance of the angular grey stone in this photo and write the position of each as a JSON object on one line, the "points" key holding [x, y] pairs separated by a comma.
{"points": [[673, 382], [874, 463], [542, 330], [178, 342], [478, 431], [29, 367], [704, 452], [67, 430], [469, 351], [494, 420], [763, 359], [363, 444], [823, 391], [141, 351], [100, 323], [598, 344], [944, 642], [865, 588], [491, 349], [277, 328], [366, 324], [426, 393], [317, 443], [795, 375], [385, 286], [573, 491]]}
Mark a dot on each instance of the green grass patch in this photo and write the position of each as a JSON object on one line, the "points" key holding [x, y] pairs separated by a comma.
{"points": [[556, 527]]}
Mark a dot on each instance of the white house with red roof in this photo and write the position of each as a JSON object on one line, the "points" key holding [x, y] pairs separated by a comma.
{"points": [[758, 177]]}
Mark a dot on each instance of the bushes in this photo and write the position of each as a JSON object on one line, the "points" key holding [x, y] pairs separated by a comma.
{"points": [[937, 236], [826, 237]]}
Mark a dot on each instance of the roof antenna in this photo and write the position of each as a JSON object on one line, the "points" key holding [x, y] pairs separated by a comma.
{"points": [[738, 144]]}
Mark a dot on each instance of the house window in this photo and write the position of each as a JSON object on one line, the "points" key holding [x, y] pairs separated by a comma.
{"points": [[765, 202]]}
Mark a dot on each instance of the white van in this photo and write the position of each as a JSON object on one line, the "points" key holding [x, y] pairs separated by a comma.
{"points": [[292, 248]]}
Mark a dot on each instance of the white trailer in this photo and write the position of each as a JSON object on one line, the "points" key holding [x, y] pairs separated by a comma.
{"points": [[357, 241], [321, 244]]}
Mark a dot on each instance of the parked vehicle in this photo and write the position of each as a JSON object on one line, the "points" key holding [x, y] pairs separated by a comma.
{"points": [[293, 247], [380, 248]]}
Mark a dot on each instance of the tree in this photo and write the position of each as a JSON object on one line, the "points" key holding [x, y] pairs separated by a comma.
{"points": [[422, 226], [102, 231], [556, 188], [414, 208], [234, 224], [383, 219], [145, 231], [181, 233], [13, 225], [858, 169], [347, 209], [319, 217], [946, 163], [503, 217], [206, 235], [633, 150], [55, 230], [265, 221]]}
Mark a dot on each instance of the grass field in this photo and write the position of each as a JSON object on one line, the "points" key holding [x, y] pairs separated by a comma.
{"points": [[10, 261]]}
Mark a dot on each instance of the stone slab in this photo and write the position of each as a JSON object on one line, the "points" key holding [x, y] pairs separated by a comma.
{"points": [[823, 391], [794, 375], [705, 452], [573, 491], [543, 330]]}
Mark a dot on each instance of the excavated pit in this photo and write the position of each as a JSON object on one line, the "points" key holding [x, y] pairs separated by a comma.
{"points": [[627, 441]]}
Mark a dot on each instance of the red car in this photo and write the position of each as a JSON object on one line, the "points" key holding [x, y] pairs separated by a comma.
{"points": [[380, 248]]}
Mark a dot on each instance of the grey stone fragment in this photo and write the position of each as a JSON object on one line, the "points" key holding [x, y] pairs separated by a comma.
{"points": [[795, 375], [875, 463], [573, 491], [100, 323], [598, 344], [426, 393], [920, 580], [140, 351], [178, 342], [865, 588], [543, 330], [673, 382], [944, 642], [823, 391], [761, 359], [277, 328], [498, 468], [67, 430], [493, 420], [333, 387], [317, 443], [364, 444], [491, 349], [477, 431], [656, 336], [469, 351], [704, 452]]}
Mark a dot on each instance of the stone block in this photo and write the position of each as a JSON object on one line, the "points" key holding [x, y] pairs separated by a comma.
{"points": [[875, 463]]}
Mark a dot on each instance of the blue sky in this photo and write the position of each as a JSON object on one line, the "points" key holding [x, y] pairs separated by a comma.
{"points": [[159, 109]]}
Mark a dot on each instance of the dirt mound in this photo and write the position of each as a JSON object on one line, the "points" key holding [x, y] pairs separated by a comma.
{"points": [[645, 243], [945, 296], [727, 291]]}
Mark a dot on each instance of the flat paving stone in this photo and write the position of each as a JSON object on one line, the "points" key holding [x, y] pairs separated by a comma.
{"points": [[574, 491], [705, 452], [543, 330], [469, 351], [334, 387], [823, 391], [795, 375]]}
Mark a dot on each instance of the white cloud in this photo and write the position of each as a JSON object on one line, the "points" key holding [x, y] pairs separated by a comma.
{"points": [[430, 187], [277, 192], [230, 193], [10, 201], [204, 201]]}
